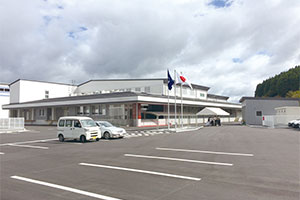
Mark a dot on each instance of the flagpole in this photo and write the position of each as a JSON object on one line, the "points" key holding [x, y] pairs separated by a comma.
{"points": [[168, 109], [175, 100], [181, 107]]}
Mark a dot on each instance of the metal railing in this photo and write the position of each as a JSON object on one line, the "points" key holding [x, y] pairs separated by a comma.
{"points": [[11, 124]]}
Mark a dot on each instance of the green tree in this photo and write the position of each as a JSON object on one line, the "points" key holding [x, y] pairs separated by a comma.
{"points": [[293, 94], [280, 84]]}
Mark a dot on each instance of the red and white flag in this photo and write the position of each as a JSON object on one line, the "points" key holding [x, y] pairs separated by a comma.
{"points": [[180, 79]]}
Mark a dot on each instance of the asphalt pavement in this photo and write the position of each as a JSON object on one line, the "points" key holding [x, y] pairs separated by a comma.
{"points": [[213, 163]]}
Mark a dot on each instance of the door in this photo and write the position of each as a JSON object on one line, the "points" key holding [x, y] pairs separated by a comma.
{"points": [[77, 130], [68, 129]]}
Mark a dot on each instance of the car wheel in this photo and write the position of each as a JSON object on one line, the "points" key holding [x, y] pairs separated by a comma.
{"points": [[106, 135], [61, 138], [82, 139], [97, 139]]}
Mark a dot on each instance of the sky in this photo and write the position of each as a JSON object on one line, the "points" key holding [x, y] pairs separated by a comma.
{"points": [[227, 45]]}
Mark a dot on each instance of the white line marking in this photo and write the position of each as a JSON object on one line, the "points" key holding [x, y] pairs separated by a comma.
{"points": [[209, 152], [179, 159], [27, 142], [1, 153], [28, 146], [61, 187], [141, 171]]}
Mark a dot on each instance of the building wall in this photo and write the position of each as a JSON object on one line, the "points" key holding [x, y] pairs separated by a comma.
{"points": [[266, 107], [105, 86], [4, 99], [186, 92], [288, 110], [24, 90]]}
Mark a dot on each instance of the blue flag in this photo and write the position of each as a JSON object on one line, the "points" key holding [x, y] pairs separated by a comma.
{"points": [[170, 81]]}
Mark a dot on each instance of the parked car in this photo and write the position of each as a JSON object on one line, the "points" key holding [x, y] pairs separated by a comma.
{"points": [[81, 128], [110, 131], [291, 123], [296, 124]]}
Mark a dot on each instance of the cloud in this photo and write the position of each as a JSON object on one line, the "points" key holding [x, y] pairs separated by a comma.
{"points": [[229, 46]]}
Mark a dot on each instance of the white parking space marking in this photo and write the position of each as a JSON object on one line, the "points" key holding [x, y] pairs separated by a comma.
{"points": [[28, 142], [179, 159], [142, 171], [208, 152], [61, 187], [1, 153], [28, 146]]}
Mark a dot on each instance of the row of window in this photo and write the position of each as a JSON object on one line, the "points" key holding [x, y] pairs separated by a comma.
{"points": [[68, 123], [4, 89]]}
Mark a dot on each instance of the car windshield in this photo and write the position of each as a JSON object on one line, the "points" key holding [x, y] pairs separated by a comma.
{"points": [[106, 124], [88, 123]]}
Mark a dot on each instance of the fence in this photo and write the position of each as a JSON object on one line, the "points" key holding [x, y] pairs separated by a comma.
{"points": [[11, 124], [278, 120]]}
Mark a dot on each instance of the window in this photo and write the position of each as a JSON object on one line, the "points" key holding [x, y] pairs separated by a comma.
{"points": [[258, 113], [80, 110], [147, 89], [95, 109], [6, 90], [77, 124], [202, 94], [61, 123], [42, 112], [46, 94], [137, 89], [68, 123], [86, 110]]}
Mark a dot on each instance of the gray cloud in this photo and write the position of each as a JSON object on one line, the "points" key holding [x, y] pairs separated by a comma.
{"points": [[229, 48]]}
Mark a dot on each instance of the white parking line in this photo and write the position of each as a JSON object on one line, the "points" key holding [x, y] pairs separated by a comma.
{"points": [[1, 153], [28, 146], [209, 152], [61, 187], [27, 142], [179, 159], [141, 171]]}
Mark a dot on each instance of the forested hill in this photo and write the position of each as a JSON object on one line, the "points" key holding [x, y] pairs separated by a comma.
{"points": [[285, 84]]}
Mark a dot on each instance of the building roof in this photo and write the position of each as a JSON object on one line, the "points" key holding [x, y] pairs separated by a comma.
{"points": [[165, 80], [268, 98], [117, 97], [123, 79], [40, 82], [217, 96]]}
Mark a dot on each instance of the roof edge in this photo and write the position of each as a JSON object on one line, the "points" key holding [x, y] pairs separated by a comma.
{"points": [[40, 82], [269, 98]]}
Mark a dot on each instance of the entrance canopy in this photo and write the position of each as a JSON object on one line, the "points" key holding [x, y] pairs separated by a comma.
{"points": [[212, 111]]}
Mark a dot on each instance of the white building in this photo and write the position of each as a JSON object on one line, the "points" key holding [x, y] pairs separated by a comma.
{"points": [[4, 99], [134, 102]]}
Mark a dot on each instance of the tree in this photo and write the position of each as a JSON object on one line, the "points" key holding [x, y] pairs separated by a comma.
{"points": [[280, 84], [293, 94]]}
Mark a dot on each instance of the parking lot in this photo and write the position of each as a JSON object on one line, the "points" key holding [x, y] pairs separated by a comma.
{"points": [[228, 162]]}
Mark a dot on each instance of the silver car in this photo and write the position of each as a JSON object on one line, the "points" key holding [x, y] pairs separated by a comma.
{"points": [[110, 131]]}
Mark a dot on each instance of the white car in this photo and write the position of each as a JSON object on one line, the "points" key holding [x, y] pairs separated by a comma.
{"points": [[110, 131], [78, 128], [296, 124], [291, 123]]}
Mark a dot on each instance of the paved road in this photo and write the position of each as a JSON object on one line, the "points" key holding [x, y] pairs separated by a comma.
{"points": [[229, 162]]}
